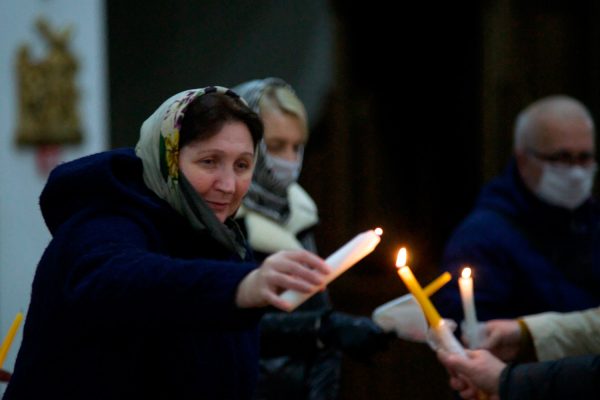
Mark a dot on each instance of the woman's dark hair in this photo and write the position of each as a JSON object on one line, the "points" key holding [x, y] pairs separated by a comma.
{"points": [[207, 114]]}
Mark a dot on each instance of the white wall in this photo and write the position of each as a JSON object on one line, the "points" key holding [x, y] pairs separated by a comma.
{"points": [[23, 235]]}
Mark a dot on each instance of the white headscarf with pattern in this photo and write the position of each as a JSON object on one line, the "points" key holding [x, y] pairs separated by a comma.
{"points": [[158, 147]]}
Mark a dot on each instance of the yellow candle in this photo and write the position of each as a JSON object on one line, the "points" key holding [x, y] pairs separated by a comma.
{"points": [[437, 283], [431, 314], [413, 286], [12, 331]]}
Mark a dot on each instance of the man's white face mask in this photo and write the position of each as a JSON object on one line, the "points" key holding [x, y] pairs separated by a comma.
{"points": [[566, 186]]}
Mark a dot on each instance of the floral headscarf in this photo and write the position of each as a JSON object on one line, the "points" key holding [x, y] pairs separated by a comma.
{"points": [[158, 147], [266, 195]]}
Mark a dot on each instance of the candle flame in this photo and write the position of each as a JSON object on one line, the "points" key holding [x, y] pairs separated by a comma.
{"points": [[378, 231], [401, 259], [466, 273]]}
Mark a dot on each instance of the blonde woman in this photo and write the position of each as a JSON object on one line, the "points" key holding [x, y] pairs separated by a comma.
{"points": [[301, 351]]}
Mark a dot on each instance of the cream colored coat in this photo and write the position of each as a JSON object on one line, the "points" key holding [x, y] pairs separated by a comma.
{"points": [[557, 335], [268, 236]]}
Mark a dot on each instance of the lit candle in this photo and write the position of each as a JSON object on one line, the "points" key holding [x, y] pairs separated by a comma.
{"points": [[431, 314], [12, 331], [441, 334], [339, 262], [403, 314], [465, 282]]}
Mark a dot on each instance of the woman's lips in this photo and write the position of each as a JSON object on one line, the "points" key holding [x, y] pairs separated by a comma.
{"points": [[219, 206]]}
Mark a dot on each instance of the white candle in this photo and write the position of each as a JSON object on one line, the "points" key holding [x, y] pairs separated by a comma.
{"points": [[339, 262], [465, 282]]}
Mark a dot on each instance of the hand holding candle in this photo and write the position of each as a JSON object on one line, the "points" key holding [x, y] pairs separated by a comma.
{"points": [[340, 261], [441, 334], [12, 331]]}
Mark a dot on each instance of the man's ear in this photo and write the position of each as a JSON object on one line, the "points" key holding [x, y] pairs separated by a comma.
{"points": [[528, 170], [521, 158]]}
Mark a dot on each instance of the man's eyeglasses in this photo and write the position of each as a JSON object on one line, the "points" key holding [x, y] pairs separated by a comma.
{"points": [[584, 158]]}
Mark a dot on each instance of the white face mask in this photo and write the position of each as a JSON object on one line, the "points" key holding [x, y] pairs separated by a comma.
{"points": [[567, 187], [286, 172]]}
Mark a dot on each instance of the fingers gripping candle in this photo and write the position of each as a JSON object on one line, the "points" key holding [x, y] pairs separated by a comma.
{"points": [[340, 261]]}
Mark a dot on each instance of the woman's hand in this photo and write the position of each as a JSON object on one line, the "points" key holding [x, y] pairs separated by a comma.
{"points": [[503, 338], [298, 270], [470, 376]]}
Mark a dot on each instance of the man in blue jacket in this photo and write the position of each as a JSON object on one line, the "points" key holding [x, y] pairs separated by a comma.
{"points": [[533, 238]]}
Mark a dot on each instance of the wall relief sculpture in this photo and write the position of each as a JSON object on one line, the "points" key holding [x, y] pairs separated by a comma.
{"points": [[48, 95]]}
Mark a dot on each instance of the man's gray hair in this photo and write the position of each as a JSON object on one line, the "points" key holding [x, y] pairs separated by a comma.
{"points": [[529, 120]]}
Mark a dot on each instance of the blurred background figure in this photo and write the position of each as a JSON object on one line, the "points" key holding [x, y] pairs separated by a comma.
{"points": [[533, 238], [300, 351]]}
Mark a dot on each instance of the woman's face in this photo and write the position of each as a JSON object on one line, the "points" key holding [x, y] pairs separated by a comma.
{"points": [[220, 167], [284, 134]]}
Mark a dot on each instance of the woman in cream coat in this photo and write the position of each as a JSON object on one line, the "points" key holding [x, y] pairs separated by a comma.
{"points": [[300, 351]]}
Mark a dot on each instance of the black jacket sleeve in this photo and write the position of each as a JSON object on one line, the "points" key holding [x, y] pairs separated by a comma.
{"points": [[566, 378]]}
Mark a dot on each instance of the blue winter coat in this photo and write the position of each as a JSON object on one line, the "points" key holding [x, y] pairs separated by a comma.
{"points": [[128, 301], [527, 256]]}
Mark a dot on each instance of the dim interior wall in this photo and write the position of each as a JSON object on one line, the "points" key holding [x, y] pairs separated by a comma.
{"points": [[163, 50], [23, 235]]}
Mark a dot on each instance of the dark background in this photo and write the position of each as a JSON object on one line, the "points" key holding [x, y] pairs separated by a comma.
{"points": [[411, 109]]}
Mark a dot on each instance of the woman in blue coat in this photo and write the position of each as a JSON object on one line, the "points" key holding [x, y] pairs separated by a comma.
{"points": [[147, 290]]}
